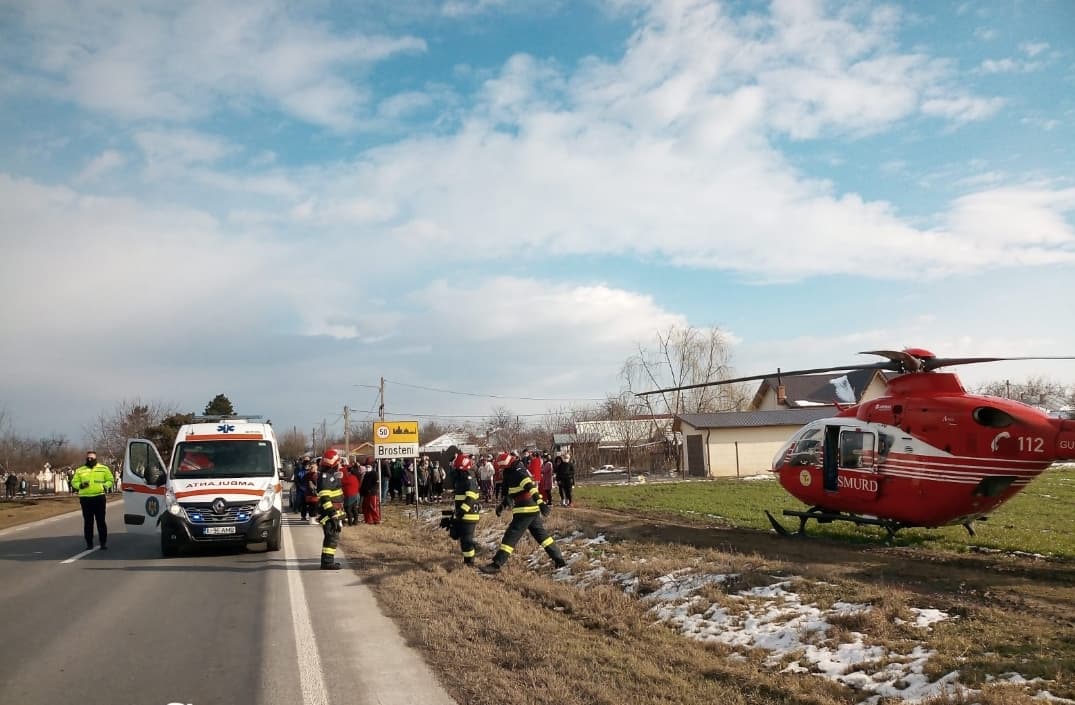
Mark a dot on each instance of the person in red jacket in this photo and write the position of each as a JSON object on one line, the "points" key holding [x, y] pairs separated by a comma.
{"points": [[534, 466], [350, 484]]}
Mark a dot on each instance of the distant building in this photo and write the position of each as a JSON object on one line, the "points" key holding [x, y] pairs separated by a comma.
{"points": [[442, 443]]}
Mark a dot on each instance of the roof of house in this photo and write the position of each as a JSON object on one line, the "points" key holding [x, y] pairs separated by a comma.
{"points": [[564, 439], [453, 438], [829, 388], [754, 419]]}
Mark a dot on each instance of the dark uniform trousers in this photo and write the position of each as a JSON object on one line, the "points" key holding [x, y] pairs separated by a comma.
{"points": [[520, 491], [466, 516], [520, 524], [93, 510]]}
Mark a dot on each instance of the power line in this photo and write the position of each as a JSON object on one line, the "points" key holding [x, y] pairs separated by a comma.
{"points": [[489, 396], [463, 416]]}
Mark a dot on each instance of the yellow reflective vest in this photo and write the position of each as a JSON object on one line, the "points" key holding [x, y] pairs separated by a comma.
{"points": [[99, 479]]}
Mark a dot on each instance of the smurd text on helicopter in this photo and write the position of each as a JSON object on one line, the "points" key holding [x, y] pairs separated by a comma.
{"points": [[926, 454]]}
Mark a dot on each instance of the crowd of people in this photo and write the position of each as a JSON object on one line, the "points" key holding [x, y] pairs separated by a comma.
{"points": [[334, 490]]}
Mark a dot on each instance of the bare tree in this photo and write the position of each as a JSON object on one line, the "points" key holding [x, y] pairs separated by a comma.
{"points": [[129, 418], [503, 429], [683, 356], [628, 424], [293, 443], [1035, 391]]}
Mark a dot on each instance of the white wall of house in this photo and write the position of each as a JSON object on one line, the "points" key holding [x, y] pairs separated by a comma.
{"points": [[756, 448], [768, 401], [876, 388]]}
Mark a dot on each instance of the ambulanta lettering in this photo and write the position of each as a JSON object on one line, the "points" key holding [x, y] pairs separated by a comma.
{"points": [[863, 484], [221, 483]]}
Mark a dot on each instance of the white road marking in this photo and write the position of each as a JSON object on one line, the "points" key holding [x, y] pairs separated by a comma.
{"points": [[310, 676], [75, 557]]}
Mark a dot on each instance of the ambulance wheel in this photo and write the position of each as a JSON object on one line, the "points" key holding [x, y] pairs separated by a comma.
{"points": [[169, 547], [273, 544]]}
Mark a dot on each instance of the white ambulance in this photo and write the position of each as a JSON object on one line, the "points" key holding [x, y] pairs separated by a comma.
{"points": [[223, 485]]}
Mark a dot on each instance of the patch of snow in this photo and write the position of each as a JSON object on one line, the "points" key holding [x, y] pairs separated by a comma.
{"points": [[926, 617], [759, 477]]}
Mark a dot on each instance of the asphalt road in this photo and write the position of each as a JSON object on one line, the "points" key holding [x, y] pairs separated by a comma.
{"points": [[127, 627]]}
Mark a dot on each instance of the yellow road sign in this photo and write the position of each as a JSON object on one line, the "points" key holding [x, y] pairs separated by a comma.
{"points": [[395, 432]]}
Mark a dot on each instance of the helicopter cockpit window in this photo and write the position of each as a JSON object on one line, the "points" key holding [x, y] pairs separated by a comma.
{"points": [[808, 442]]}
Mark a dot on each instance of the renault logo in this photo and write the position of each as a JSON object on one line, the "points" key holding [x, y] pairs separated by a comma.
{"points": [[219, 506]]}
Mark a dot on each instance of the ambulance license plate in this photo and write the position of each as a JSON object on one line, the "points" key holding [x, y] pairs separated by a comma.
{"points": [[212, 530]]}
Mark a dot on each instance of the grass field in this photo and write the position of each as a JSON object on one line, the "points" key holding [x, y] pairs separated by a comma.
{"points": [[22, 511], [1039, 520]]}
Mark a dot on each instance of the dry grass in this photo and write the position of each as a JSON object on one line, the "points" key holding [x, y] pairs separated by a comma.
{"points": [[23, 511], [526, 638]]}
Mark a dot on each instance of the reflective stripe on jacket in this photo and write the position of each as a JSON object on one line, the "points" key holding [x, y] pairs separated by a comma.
{"points": [[466, 496]]}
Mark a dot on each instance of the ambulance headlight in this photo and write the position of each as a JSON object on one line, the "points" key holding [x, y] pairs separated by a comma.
{"points": [[266, 501], [174, 508]]}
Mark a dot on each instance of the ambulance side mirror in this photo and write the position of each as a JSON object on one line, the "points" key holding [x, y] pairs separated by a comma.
{"points": [[155, 476]]}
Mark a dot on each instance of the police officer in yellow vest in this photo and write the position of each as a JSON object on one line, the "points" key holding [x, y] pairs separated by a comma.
{"points": [[92, 480]]}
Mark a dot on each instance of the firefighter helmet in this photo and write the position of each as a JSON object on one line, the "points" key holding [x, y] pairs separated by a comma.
{"points": [[463, 462], [505, 460], [331, 458]]}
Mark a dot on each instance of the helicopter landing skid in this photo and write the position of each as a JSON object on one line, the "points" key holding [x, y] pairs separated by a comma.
{"points": [[824, 517]]}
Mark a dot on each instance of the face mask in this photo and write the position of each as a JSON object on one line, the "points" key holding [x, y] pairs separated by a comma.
{"points": [[90, 462], [339, 475]]}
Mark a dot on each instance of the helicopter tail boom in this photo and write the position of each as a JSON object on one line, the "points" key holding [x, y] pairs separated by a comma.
{"points": [[1065, 439]]}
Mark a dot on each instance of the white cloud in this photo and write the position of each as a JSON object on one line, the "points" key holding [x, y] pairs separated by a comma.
{"points": [[178, 62], [103, 163], [467, 8], [999, 66], [169, 148], [961, 109], [1032, 49], [985, 34]]}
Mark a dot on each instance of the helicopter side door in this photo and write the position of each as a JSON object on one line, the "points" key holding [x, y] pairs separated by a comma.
{"points": [[850, 462]]}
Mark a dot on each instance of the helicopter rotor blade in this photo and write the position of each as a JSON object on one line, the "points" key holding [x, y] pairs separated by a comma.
{"points": [[935, 362], [781, 373]]}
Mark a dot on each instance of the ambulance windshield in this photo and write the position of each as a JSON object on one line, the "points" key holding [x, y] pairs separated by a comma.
{"points": [[212, 459]]}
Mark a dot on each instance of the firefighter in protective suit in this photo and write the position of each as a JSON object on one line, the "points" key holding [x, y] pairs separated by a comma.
{"points": [[527, 508], [330, 507], [466, 515]]}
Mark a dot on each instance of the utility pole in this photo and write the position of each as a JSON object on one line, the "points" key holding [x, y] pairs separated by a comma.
{"points": [[313, 440], [380, 409], [324, 436], [347, 433]]}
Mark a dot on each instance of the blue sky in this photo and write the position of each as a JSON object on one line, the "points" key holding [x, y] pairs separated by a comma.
{"points": [[281, 201]]}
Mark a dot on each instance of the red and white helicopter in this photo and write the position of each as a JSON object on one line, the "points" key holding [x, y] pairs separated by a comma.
{"points": [[927, 454]]}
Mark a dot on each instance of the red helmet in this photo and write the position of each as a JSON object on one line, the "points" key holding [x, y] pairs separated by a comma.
{"points": [[193, 462], [504, 460], [331, 458], [463, 462]]}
